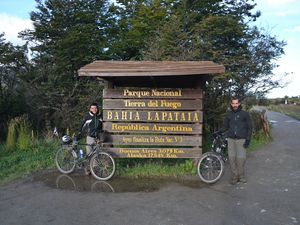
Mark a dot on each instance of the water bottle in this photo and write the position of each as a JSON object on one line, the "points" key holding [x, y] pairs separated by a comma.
{"points": [[74, 154], [80, 153]]}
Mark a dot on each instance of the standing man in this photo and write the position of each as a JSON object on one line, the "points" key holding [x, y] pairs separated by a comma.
{"points": [[92, 123], [239, 130]]}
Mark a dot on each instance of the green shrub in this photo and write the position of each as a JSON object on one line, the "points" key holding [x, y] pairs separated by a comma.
{"points": [[19, 134], [256, 122], [12, 134], [258, 133], [24, 141]]}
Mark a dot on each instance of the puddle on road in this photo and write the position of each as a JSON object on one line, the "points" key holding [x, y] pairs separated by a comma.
{"points": [[79, 182]]}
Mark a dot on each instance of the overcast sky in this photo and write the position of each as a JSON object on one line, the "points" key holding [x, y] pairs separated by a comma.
{"points": [[280, 17]]}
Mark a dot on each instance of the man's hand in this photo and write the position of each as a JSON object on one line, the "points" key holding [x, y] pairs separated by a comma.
{"points": [[246, 144], [217, 133], [77, 137], [74, 143]]}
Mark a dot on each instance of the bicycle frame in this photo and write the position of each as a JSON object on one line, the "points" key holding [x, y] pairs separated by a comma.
{"points": [[219, 146], [97, 147]]}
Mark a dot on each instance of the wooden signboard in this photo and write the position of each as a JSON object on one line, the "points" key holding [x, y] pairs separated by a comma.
{"points": [[156, 93], [153, 123], [153, 116], [156, 152], [154, 140], [162, 104], [153, 128], [153, 109]]}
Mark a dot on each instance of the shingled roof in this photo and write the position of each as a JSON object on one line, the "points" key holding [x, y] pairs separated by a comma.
{"points": [[106, 69]]}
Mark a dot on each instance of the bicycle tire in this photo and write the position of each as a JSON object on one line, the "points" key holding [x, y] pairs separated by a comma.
{"points": [[210, 167], [65, 161], [102, 166]]}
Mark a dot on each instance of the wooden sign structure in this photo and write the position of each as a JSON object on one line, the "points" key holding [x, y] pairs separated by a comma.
{"points": [[153, 109]]}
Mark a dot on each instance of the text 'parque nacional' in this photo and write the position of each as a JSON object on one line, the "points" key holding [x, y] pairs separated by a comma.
{"points": [[151, 93]]}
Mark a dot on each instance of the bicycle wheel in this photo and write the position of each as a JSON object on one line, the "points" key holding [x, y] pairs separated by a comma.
{"points": [[64, 160], [102, 166], [210, 168]]}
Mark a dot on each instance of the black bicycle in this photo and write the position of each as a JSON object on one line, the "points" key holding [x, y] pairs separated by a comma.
{"points": [[70, 156], [210, 167]]}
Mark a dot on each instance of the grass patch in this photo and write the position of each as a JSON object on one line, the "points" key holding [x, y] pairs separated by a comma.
{"points": [[290, 110], [155, 168], [258, 141], [19, 163]]}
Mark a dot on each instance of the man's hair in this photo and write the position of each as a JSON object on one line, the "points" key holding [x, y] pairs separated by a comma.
{"points": [[235, 98], [94, 104]]}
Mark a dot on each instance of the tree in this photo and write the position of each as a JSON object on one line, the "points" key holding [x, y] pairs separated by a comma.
{"points": [[66, 36], [220, 31], [136, 23], [13, 63], [69, 34]]}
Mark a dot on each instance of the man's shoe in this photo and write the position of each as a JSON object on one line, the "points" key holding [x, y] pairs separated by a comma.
{"points": [[243, 180], [233, 180], [87, 171]]}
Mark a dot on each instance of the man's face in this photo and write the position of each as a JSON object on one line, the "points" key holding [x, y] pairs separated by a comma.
{"points": [[235, 104], [94, 109]]}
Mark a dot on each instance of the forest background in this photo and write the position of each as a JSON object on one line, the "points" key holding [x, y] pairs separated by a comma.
{"points": [[39, 80]]}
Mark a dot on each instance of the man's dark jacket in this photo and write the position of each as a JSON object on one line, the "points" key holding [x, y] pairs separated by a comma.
{"points": [[92, 123], [238, 124]]}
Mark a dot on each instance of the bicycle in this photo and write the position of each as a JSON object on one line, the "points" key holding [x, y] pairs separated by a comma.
{"points": [[210, 167], [68, 157]]}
